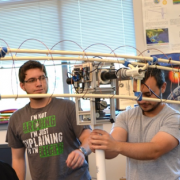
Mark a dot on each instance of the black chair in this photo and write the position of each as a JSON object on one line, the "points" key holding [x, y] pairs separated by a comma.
{"points": [[7, 172]]}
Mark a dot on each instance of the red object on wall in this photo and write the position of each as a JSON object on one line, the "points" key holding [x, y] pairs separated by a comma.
{"points": [[174, 77]]}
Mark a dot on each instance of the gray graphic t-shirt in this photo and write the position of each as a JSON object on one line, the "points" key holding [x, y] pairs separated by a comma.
{"points": [[142, 129], [49, 134]]}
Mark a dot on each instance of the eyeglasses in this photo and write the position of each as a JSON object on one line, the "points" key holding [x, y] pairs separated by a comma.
{"points": [[151, 91], [34, 80]]}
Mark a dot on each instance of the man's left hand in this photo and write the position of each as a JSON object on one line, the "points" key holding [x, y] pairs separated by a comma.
{"points": [[75, 159]]}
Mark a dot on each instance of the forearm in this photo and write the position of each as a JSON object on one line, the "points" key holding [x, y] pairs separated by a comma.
{"points": [[139, 151], [85, 140], [111, 155], [19, 167], [85, 145], [115, 144]]}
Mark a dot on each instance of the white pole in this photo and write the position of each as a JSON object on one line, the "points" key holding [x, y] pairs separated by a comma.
{"points": [[48, 58], [86, 96], [100, 160], [86, 54], [100, 165], [22, 58]]}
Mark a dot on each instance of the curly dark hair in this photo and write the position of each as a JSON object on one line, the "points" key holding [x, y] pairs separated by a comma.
{"points": [[158, 74], [30, 65]]}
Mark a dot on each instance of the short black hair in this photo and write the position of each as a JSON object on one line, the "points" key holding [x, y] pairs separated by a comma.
{"points": [[158, 74], [30, 65]]}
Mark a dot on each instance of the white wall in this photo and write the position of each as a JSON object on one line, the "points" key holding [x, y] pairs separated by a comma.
{"points": [[138, 20]]}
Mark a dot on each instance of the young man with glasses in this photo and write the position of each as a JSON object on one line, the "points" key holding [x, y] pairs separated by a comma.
{"points": [[46, 127], [148, 135]]}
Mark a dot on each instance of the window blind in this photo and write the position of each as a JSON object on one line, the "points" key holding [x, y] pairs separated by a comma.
{"points": [[37, 20], [22, 20], [109, 23], [88, 22]]}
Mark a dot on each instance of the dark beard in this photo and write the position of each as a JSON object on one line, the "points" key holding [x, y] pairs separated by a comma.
{"points": [[160, 95], [152, 109]]}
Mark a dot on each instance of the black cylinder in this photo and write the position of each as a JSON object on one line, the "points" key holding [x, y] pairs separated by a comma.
{"points": [[108, 75], [69, 81]]}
